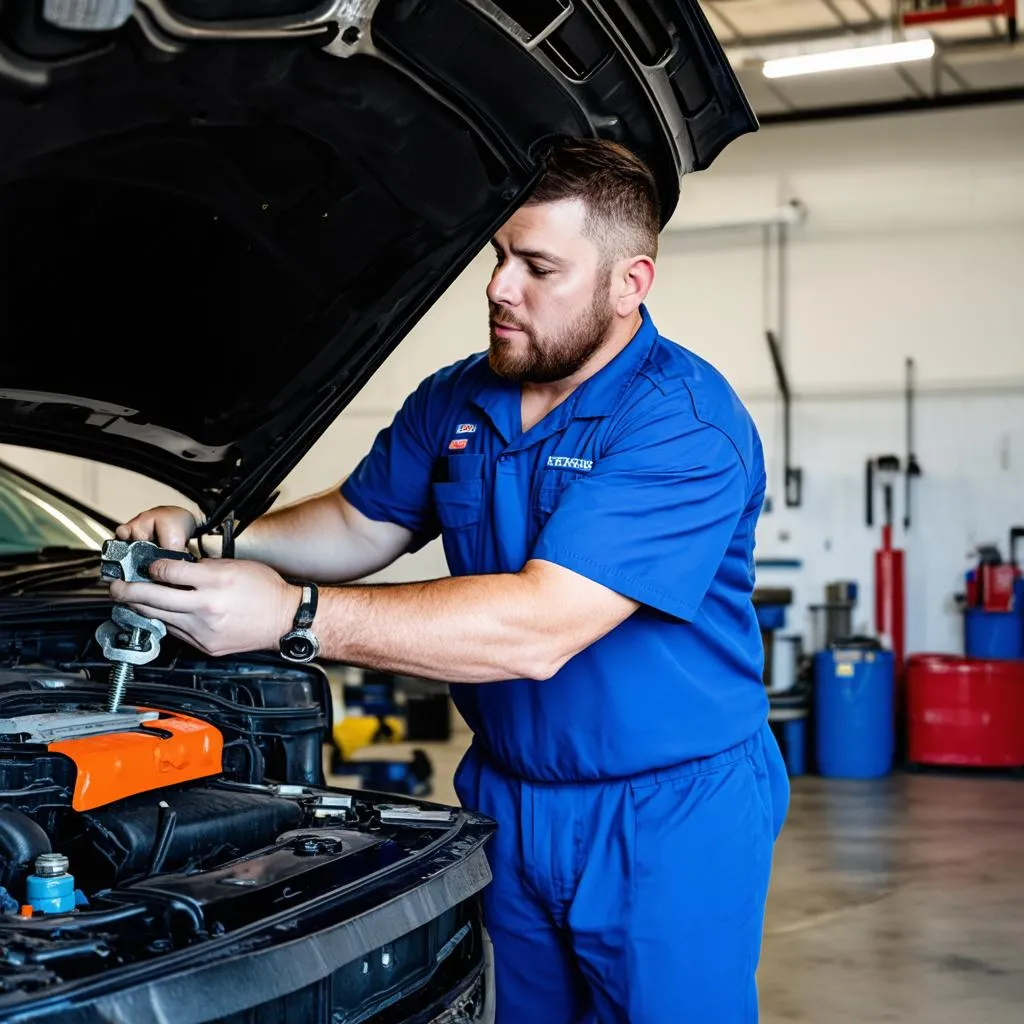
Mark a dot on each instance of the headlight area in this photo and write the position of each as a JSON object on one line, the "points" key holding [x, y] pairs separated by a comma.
{"points": [[433, 975]]}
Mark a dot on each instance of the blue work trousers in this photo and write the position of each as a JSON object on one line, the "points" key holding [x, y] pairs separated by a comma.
{"points": [[633, 901]]}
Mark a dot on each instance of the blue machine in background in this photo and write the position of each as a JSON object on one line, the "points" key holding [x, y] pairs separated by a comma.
{"points": [[788, 695], [994, 604]]}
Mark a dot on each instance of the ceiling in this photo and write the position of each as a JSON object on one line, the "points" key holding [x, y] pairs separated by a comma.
{"points": [[977, 59]]}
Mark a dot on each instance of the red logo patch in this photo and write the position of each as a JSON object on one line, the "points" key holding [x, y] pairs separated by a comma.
{"points": [[457, 445]]}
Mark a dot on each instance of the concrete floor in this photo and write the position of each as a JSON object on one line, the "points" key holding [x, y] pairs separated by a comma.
{"points": [[900, 899]]}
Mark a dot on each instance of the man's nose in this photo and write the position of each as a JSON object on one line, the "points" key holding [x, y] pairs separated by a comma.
{"points": [[502, 289]]}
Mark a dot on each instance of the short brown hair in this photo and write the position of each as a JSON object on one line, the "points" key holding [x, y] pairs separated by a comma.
{"points": [[617, 187]]}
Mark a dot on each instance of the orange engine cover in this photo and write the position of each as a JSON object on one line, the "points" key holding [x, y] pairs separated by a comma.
{"points": [[163, 752]]}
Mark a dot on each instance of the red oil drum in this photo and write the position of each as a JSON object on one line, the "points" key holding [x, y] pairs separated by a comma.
{"points": [[965, 711]]}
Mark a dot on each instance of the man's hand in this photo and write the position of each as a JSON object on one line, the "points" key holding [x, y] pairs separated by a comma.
{"points": [[219, 606], [166, 525], [321, 538]]}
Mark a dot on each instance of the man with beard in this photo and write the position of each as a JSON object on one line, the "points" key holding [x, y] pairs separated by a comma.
{"points": [[596, 487]]}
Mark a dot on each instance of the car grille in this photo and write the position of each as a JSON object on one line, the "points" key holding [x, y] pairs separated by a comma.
{"points": [[469, 1007]]}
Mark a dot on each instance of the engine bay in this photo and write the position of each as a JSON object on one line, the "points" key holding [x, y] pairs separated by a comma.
{"points": [[193, 817]]}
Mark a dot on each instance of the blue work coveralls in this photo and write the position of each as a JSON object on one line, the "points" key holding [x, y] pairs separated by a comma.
{"points": [[639, 791]]}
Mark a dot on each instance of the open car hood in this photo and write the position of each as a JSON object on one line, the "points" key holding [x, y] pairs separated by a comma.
{"points": [[212, 232]]}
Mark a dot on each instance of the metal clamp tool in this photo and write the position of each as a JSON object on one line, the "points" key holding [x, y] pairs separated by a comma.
{"points": [[128, 638]]}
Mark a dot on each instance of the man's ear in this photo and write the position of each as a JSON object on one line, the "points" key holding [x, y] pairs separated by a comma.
{"points": [[631, 281]]}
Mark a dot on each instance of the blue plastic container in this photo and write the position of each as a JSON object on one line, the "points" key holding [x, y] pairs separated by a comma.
{"points": [[854, 700], [794, 733], [771, 616], [998, 635]]}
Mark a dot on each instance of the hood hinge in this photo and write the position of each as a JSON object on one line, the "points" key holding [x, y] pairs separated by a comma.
{"points": [[226, 529]]}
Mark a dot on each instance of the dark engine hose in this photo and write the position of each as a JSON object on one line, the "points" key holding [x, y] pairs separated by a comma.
{"points": [[21, 841], [164, 835], [81, 920]]}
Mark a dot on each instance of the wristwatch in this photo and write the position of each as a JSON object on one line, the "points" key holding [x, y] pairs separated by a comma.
{"points": [[300, 642]]}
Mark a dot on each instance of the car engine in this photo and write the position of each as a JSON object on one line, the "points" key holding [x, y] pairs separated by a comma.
{"points": [[126, 795], [194, 822]]}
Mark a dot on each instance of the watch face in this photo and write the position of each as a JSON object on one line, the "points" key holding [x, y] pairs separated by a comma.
{"points": [[299, 645]]}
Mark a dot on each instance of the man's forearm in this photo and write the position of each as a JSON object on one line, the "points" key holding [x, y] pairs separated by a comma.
{"points": [[307, 540], [319, 539], [471, 629]]}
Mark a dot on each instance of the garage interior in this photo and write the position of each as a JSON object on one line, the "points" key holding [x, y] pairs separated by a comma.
{"points": [[854, 268]]}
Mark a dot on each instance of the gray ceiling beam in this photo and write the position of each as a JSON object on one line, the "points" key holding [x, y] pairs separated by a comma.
{"points": [[863, 28], [944, 101], [779, 94], [909, 80], [838, 14]]}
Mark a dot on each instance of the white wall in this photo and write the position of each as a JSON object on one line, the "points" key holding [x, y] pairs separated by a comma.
{"points": [[913, 246], [971, 451]]}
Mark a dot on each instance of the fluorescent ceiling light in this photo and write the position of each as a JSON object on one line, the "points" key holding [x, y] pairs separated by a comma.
{"points": [[852, 57]]}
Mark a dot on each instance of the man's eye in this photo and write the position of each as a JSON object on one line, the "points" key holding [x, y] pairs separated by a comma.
{"points": [[539, 271]]}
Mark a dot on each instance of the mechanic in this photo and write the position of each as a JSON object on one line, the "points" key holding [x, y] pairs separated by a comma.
{"points": [[596, 487]]}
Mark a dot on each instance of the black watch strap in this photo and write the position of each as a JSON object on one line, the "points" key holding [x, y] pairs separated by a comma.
{"points": [[307, 606]]}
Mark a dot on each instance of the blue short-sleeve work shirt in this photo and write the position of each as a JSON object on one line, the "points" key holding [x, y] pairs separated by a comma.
{"points": [[647, 479]]}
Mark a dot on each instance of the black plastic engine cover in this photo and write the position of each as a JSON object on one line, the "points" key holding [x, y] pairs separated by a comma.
{"points": [[210, 826]]}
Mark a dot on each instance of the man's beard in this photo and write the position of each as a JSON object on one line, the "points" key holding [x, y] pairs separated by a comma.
{"points": [[557, 356]]}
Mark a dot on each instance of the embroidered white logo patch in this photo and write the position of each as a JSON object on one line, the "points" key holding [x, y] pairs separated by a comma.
{"points": [[564, 462], [466, 428]]}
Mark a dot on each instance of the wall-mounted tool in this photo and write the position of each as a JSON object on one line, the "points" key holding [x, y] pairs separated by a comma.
{"points": [[911, 468], [880, 474], [128, 638], [775, 253], [793, 478]]}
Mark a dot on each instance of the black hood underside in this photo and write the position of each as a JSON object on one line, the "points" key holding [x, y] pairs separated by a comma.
{"points": [[213, 229]]}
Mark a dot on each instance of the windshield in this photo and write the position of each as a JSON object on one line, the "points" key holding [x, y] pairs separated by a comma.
{"points": [[32, 518]]}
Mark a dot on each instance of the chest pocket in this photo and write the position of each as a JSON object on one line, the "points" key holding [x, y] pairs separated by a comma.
{"points": [[459, 498], [549, 491]]}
